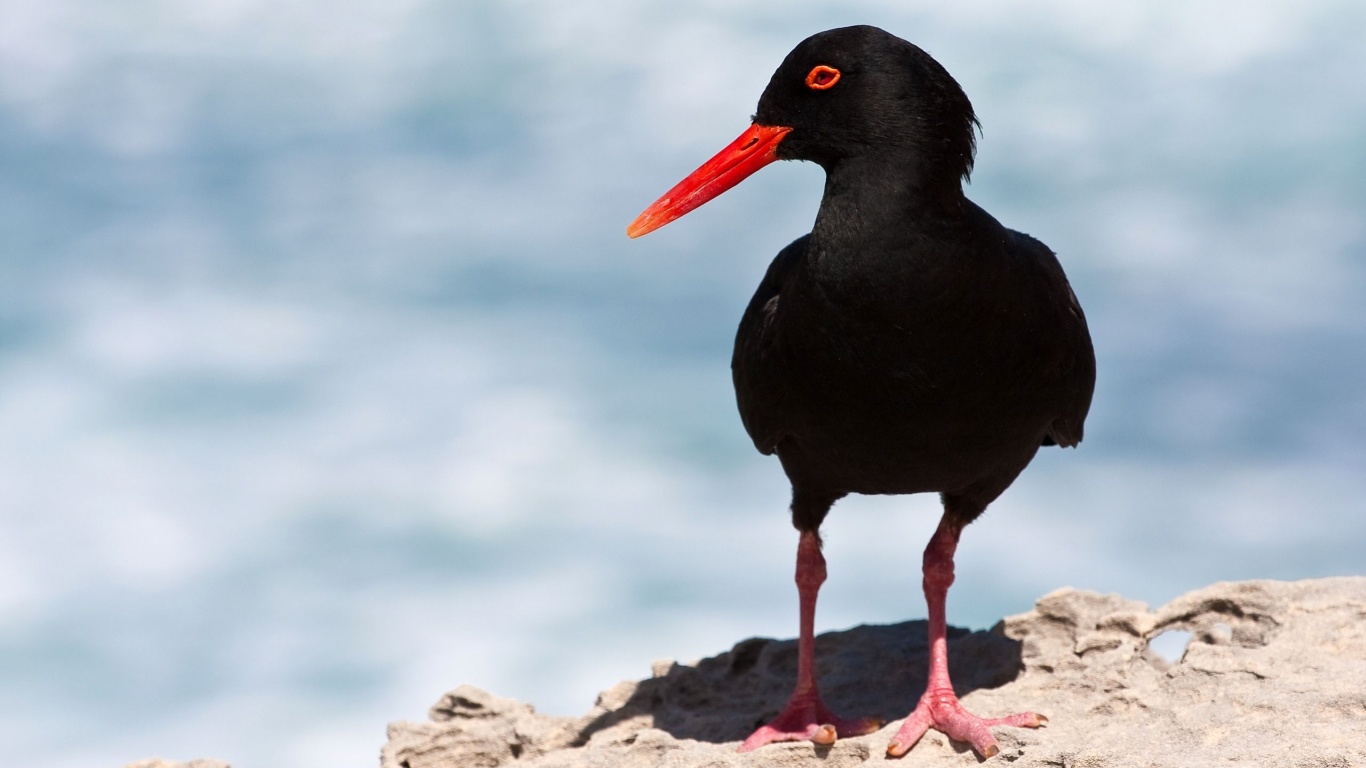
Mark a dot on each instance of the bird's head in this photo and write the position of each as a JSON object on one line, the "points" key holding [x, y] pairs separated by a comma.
{"points": [[859, 90], [847, 93]]}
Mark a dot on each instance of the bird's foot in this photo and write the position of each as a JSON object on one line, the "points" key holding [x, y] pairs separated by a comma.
{"points": [[807, 717], [940, 710]]}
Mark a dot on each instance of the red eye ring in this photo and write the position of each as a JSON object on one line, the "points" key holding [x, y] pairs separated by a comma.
{"points": [[822, 77]]}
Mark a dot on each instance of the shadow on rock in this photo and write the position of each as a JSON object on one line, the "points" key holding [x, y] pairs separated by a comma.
{"points": [[877, 671]]}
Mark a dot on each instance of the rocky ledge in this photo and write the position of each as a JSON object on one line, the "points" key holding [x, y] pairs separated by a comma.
{"points": [[1274, 674]]}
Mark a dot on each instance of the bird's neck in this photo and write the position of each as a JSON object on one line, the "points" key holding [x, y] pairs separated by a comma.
{"points": [[881, 208]]}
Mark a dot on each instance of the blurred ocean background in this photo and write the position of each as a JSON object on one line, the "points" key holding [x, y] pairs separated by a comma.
{"points": [[329, 379]]}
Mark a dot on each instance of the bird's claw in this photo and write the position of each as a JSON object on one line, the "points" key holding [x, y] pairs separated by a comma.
{"points": [[809, 720], [943, 713]]}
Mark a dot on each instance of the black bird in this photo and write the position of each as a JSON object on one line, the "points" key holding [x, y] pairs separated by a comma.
{"points": [[910, 343]]}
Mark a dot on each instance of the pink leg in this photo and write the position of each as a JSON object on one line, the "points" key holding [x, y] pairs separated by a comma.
{"points": [[806, 716], [939, 707]]}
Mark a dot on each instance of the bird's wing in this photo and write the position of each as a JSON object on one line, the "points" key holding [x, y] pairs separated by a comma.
{"points": [[1080, 382], [1075, 372], [759, 395]]}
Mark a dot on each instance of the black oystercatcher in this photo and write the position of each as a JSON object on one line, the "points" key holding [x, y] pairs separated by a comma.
{"points": [[910, 343]]}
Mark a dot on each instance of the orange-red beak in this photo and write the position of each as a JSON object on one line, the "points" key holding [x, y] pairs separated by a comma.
{"points": [[755, 148]]}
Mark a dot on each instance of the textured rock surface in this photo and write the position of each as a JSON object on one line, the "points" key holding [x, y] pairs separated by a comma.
{"points": [[1274, 675]]}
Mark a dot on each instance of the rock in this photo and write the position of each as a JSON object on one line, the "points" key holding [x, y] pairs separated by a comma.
{"points": [[1274, 675]]}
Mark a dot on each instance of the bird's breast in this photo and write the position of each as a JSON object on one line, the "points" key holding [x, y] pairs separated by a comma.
{"points": [[894, 390]]}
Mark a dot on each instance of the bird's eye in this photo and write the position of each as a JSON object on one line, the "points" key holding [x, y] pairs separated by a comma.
{"points": [[822, 77]]}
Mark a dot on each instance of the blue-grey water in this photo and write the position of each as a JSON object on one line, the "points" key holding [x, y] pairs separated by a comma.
{"points": [[329, 380]]}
